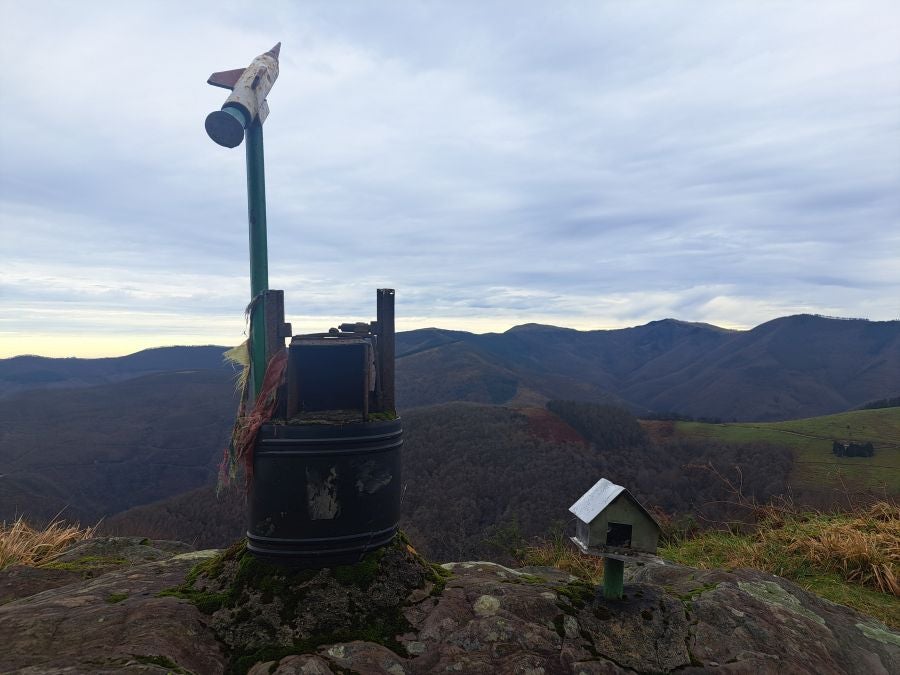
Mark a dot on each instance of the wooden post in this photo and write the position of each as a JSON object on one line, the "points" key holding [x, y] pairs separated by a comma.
{"points": [[276, 329], [385, 319], [613, 573]]}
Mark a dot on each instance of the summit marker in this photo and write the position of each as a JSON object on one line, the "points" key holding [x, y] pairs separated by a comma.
{"points": [[247, 104], [245, 110]]}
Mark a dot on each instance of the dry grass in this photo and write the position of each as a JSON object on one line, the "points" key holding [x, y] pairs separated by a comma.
{"points": [[557, 551], [21, 544], [860, 547], [863, 547]]}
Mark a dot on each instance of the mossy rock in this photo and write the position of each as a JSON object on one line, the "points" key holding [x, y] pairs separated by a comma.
{"points": [[93, 557], [263, 610]]}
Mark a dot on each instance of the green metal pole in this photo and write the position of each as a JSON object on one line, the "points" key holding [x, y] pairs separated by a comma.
{"points": [[259, 258], [613, 573]]}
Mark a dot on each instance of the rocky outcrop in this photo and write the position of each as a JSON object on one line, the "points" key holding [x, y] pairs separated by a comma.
{"points": [[109, 618], [123, 605]]}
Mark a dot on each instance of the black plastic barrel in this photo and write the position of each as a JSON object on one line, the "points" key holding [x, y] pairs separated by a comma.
{"points": [[324, 495]]}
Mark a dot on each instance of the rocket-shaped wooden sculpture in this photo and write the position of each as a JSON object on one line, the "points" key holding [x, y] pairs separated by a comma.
{"points": [[249, 87]]}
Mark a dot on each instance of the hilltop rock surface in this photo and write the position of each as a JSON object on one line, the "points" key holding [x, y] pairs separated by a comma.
{"points": [[125, 605]]}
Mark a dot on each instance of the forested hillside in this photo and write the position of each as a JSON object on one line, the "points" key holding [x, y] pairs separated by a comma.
{"points": [[473, 473], [92, 452]]}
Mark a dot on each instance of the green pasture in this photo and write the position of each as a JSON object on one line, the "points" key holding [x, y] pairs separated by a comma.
{"points": [[811, 440]]}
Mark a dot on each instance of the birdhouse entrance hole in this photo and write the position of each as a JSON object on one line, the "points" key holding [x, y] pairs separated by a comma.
{"points": [[618, 534]]}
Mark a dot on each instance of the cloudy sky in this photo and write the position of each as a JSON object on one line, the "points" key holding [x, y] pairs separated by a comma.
{"points": [[586, 164]]}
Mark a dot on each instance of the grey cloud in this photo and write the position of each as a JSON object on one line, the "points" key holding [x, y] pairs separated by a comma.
{"points": [[492, 161]]}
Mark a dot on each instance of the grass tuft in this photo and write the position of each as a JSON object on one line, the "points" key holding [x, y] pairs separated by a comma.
{"points": [[861, 547], [852, 558], [21, 544], [557, 551]]}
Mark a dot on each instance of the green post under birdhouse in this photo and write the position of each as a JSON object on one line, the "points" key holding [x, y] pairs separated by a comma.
{"points": [[613, 574]]}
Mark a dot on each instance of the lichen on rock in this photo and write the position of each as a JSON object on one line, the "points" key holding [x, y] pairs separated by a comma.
{"points": [[773, 594], [262, 610]]}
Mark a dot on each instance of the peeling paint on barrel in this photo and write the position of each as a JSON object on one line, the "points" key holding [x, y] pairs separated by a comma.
{"points": [[321, 495], [372, 477]]}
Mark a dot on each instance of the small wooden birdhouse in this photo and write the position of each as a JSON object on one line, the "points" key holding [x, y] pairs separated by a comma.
{"points": [[609, 518]]}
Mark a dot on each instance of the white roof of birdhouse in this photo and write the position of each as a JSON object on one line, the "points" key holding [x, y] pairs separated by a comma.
{"points": [[601, 495]]}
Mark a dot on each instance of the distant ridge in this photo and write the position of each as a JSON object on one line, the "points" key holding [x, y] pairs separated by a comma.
{"points": [[795, 366], [21, 373]]}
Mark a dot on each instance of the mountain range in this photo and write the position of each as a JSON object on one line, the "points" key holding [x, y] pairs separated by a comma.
{"points": [[796, 366], [94, 437]]}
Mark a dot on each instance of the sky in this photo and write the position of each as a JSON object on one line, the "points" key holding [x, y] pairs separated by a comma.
{"points": [[586, 164]]}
